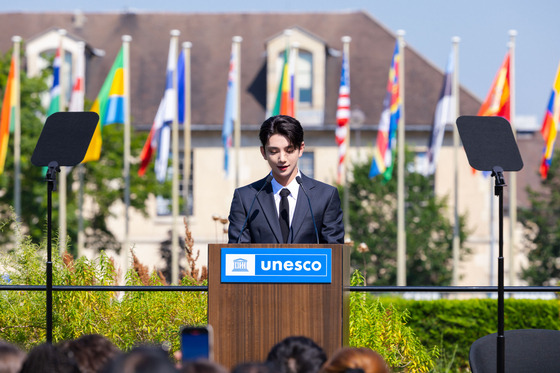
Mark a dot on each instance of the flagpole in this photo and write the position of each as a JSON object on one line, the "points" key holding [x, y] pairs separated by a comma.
{"points": [[513, 175], [62, 228], [237, 120], [126, 39], [175, 164], [456, 143], [401, 233], [187, 148], [80, 168], [295, 92], [17, 130], [345, 202]]}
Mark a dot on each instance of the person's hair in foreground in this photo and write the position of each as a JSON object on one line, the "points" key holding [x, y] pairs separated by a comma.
{"points": [[202, 366], [355, 360], [142, 359], [92, 352], [282, 125], [46, 358], [296, 355], [11, 357]]}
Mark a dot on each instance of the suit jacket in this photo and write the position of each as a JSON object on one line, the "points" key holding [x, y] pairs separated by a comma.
{"points": [[263, 226]]}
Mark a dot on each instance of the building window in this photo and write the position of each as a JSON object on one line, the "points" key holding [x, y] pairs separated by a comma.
{"points": [[306, 164], [309, 73], [304, 77]]}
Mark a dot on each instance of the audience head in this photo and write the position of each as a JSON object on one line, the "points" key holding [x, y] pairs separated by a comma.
{"points": [[355, 360], [92, 352], [202, 366], [297, 355], [11, 357], [142, 359], [253, 367], [46, 358]]}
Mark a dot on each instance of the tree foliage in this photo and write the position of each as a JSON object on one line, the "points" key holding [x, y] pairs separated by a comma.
{"points": [[373, 228], [541, 230], [104, 182]]}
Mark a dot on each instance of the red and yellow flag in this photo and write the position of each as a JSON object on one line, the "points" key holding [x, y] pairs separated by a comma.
{"points": [[284, 104], [497, 102], [7, 114]]}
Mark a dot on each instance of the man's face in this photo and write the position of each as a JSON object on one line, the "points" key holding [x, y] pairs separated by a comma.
{"points": [[282, 157]]}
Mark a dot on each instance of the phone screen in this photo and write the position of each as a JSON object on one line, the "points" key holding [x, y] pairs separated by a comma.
{"points": [[196, 342]]}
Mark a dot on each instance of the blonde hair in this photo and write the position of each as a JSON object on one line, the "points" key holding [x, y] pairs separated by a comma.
{"points": [[355, 359]]}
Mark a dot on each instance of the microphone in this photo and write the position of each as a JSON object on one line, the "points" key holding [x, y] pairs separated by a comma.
{"points": [[266, 182], [298, 179]]}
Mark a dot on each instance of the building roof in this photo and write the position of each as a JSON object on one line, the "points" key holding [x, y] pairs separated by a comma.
{"points": [[211, 36]]}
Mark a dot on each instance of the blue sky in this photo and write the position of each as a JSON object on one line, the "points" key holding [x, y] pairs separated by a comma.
{"points": [[482, 25]]}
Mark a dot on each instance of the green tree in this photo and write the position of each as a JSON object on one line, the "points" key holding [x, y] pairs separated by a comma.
{"points": [[541, 230], [373, 228], [103, 180]]}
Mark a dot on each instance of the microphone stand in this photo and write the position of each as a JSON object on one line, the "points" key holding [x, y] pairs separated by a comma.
{"points": [[53, 168], [499, 184]]}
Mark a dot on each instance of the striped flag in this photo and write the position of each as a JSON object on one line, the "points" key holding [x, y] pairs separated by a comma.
{"points": [[549, 126], [109, 104], [284, 104], [343, 115], [7, 115], [382, 162], [445, 113], [152, 143], [169, 112], [78, 88], [54, 105], [230, 112]]}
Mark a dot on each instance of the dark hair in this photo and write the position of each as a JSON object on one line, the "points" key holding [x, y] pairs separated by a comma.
{"points": [[282, 125], [297, 355], [91, 352], [48, 358], [142, 359]]}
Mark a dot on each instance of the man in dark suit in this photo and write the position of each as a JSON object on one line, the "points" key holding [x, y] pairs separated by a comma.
{"points": [[276, 209]]}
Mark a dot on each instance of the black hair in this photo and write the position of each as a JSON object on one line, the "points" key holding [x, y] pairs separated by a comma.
{"points": [[282, 125], [297, 354]]}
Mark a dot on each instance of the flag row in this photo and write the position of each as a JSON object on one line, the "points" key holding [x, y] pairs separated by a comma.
{"points": [[111, 100]]}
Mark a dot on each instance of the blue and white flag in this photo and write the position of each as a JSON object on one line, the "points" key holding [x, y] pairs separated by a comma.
{"points": [[445, 113]]}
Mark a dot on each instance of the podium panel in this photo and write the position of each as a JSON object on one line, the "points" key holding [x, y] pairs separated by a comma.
{"points": [[249, 318]]}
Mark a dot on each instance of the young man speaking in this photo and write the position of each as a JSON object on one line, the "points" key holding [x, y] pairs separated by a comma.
{"points": [[286, 206]]}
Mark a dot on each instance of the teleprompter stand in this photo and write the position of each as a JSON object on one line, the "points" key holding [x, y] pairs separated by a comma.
{"points": [[490, 146], [64, 141]]}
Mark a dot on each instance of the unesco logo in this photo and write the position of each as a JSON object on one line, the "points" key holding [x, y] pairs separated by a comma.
{"points": [[297, 265], [240, 265]]}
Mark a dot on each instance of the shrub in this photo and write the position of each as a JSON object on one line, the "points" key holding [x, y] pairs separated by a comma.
{"points": [[384, 330]]}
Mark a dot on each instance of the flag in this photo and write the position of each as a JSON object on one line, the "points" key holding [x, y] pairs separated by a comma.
{"points": [[54, 105], [78, 88], [284, 104], [445, 113], [158, 140], [343, 114], [382, 162], [549, 129], [230, 112], [497, 102], [169, 113], [7, 114], [109, 105]]}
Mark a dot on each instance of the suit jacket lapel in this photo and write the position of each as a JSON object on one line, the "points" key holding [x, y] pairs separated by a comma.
{"points": [[302, 207], [266, 200]]}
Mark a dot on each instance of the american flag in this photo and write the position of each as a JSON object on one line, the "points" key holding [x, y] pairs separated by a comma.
{"points": [[343, 115]]}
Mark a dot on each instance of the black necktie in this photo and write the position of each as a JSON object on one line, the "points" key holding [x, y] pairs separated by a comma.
{"points": [[284, 216]]}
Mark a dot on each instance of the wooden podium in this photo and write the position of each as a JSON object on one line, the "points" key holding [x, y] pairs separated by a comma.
{"points": [[249, 318]]}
